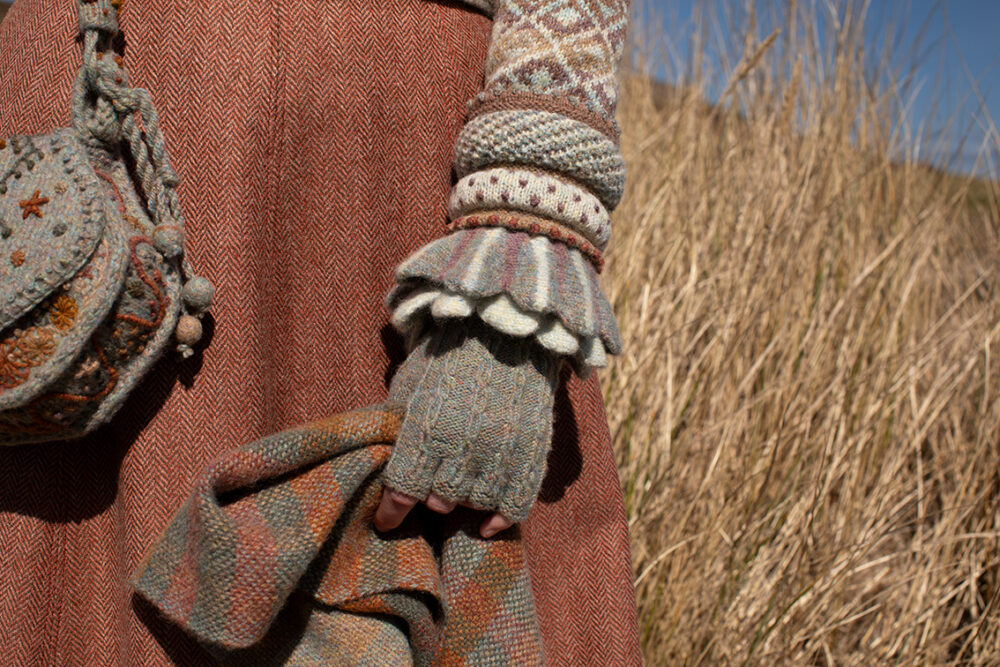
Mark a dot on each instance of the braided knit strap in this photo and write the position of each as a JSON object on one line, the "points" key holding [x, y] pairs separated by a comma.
{"points": [[478, 423], [99, 15], [103, 109]]}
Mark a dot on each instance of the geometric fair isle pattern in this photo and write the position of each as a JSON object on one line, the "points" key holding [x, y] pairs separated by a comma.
{"points": [[568, 49]]}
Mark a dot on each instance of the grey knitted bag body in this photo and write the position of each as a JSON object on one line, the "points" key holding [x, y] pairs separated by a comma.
{"points": [[93, 281]]}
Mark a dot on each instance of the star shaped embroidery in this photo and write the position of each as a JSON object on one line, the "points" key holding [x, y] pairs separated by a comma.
{"points": [[33, 205]]}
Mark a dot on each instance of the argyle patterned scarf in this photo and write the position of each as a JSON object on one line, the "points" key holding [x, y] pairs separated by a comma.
{"points": [[273, 559]]}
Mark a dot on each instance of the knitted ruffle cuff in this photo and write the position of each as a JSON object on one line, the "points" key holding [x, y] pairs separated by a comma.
{"points": [[519, 284]]}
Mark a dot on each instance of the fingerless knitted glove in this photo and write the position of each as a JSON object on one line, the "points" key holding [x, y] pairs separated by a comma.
{"points": [[478, 423]]}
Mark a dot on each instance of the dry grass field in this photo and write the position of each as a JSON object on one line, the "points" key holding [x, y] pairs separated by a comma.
{"points": [[807, 414]]}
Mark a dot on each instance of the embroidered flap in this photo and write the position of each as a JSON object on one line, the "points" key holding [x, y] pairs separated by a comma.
{"points": [[43, 344], [52, 217]]}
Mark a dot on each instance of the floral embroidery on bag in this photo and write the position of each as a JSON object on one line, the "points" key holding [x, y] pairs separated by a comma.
{"points": [[33, 347], [133, 321], [23, 350], [63, 311], [11, 375]]}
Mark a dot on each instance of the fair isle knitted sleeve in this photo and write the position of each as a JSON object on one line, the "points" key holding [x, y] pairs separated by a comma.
{"points": [[539, 172]]}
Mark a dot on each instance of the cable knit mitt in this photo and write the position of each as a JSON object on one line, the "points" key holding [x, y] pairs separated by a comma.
{"points": [[478, 423]]}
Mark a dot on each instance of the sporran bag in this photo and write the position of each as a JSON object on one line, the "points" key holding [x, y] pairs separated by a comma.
{"points": [[93, 281]]}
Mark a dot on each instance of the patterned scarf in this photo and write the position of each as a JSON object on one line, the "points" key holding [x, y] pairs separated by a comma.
{"points": [[273, 560]]}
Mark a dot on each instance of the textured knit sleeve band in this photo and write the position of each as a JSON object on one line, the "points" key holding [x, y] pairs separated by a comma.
{"points": [[547, 140], [539, 172], [523, 222], [536, 192], [565, 52]]}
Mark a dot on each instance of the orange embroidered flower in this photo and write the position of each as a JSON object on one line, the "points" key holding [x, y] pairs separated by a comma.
{"points": [[32, 347], [11, 374], [17, 257], [63, 312]]}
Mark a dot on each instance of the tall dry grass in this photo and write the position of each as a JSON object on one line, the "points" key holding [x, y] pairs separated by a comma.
{"points": [[807, 414]]}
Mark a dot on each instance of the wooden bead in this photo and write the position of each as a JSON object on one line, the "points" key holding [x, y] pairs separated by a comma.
{"points": [[188, 331]]}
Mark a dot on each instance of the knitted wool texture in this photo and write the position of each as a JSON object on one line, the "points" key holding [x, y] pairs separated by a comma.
{"points": [[550, 196], [521, 284], [90, 291], [540, 138], [478, 423], [42, 221], [560, 50], [273, 560], [546, 140], [531, 224]]}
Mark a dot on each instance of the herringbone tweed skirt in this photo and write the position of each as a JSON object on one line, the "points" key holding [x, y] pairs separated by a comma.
{"points": [[314, 142]]}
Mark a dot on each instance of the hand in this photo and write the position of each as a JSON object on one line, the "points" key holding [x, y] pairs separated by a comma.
{"points": [[478, 425], [395, 506]]}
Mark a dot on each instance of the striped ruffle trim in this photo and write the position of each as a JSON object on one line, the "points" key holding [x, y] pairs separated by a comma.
{"points": [[520, 284]]}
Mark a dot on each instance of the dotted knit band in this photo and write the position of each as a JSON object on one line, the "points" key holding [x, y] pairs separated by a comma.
{"points": [[531, 224], [543, 194]]}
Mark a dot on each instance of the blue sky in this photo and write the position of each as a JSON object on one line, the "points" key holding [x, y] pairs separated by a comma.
{"points": [[953, 43], [959, 44]]}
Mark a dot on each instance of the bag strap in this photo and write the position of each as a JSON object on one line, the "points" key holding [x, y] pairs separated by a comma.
{"points": [[103, 110], [104, 106]]}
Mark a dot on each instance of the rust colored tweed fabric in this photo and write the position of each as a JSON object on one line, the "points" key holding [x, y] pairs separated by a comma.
{"points": [[291, 126], [292, 514]]}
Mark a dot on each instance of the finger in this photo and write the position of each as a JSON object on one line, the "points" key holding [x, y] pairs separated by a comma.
{"points": [[439, 504], [393, 509], [494, 525]]}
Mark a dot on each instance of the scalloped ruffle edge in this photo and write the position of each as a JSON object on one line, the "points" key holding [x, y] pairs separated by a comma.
{"points": [[520, 284], [501, 313]]}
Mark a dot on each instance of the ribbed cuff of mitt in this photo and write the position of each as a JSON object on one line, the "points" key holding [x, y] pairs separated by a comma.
{"points": [[478, 424], [522, 285]]}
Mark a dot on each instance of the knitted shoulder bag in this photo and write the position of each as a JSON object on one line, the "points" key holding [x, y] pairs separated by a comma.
{"points": [[93, 281]]}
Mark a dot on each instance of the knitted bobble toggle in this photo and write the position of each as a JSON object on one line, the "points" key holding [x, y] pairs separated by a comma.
{"points": [[197, 294], [169, 240], [188, 332]]}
